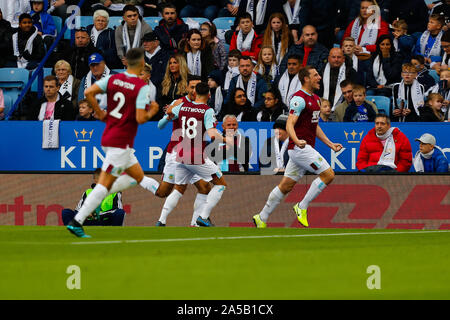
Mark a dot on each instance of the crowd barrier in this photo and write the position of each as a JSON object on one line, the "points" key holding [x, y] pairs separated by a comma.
{"points": [[402, 201]]}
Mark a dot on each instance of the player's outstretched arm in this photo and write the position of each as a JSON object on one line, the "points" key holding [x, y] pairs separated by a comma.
{"points": [[323, 137], [90, 94], [142, 115], [215, 134]]}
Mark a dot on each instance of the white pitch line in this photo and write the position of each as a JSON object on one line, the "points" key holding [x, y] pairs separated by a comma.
{"points": [[258, 237]]}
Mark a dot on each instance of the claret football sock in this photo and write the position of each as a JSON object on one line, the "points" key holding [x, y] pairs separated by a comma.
{"points": [[275, 197], [91, 202], [314, 190]]}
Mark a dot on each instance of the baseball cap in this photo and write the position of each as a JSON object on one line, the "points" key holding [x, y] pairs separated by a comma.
{"points": [[150, 36], [95, 58], [280, 123], [427, 138]]}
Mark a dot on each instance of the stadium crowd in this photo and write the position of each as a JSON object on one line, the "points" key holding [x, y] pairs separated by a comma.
{"points": [[363, 50]]}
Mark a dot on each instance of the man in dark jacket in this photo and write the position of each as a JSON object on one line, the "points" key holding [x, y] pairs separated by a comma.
{"points": [[51, 105], [5, 40], [155, 56], [171, 30], [312, 52]]}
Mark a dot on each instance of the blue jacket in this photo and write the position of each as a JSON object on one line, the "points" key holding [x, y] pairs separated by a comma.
{"points": [[44, 23], [159, 64], [437, 163], [430, 43], [261, 88], [106, 43]]}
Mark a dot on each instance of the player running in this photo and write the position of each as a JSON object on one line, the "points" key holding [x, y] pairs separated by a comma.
{"points": [[166, 188], [302, 127], [194, 120], [127, 97]]}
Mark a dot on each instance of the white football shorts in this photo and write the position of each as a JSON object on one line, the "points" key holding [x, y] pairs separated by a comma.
{"points": [[302, 160], [187, 172], [117, 160], [170, 167]]}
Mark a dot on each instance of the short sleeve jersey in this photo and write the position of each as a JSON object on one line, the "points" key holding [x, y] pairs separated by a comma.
{"points": [[307, 107], [194, 120], [175, 126], [125, 93]]}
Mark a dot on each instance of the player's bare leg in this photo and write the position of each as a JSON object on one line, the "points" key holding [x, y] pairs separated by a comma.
{"points": [[164, 189], [212, 199]]}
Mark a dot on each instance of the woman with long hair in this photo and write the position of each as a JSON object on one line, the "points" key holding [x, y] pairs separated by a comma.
{"points": [[273, 106], [267, 65], [174, 84], [278, 36], [198, 54], [386, 67], [208, 31], [240, 106]]}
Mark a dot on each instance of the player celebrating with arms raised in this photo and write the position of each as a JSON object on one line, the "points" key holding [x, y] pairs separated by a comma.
{"points": [[127, 96], [302, 128]]}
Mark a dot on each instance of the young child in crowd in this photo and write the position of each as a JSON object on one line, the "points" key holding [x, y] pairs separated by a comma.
{"points": [[359, 110]]}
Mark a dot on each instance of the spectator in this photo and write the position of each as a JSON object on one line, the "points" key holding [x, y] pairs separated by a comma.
{"points": [[215, 83], [51, 105], [171, 30], [348, 47], [443, 88], [98, 70], [239, 106], [13, 9], [146, 75], [322, 15], [386, 66], [109, 213], [292, 10], [78, 56], [336, 71], [289, 83], [130, 32], [429, 43], [384, 148], [441, 8], [246, 40], [232, 69], [103, 38], [259, 11], [85, 111], [43, 22], [429, 157], [445, 45], [274, 156], [209, 35], [116, 7], [68, 84], [359, 110], [5, 40], [349, 10], [198, 54], [234, 158], [267, 65], [347, 93], [2, 105], [403, 42], [253, 84], [325, 111], [273, 106], [310, 51], [155, 56], [27, 45], [151, 8], [174, 84], [414, 12], [229, 8], [432, 110], [278, 36], [200, 8], [423, 76], [366, 29], [409, 95], [60, 8]]}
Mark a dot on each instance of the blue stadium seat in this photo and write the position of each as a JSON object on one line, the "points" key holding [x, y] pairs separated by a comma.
{"points": [[13, 78], [58, 23], [227, 47], [152, 21], [85, 20], [34, 85], [383, 103], [8, 103], [434, 74], [223, 24], [114, 22], [194, 22]]}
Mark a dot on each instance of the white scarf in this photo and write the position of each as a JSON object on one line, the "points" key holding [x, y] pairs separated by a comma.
{"points": [[279, 152], [194, 63], [326, 84], [273, 70], [435, 49], [247, 44], [444, 58], [231, 73], [218, 100], [67, 87], [417, 161], [378, 71], [151, 55], [50, 134], [94, 35], [44, 108], [21, 61], [292, 18], [288, 89], [416, 94], [137, 36], [387, 157], [369, 36], [280, 55], [251, 87], [355, 62], [101, 97], [260, 10]]}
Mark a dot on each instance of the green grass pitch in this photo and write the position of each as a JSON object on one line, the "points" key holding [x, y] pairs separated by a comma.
{"points": [[223, 263]]}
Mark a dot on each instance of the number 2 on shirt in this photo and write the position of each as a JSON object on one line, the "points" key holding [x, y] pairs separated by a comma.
{"points": [[120, 97]]}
